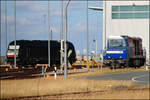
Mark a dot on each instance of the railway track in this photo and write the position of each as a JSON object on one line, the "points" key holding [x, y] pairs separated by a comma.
{"points": [[7, 73], [17, 74], [74, 93], [20, 73]]}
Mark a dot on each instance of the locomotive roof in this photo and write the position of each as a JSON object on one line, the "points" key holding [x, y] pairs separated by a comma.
{"points": [[32, 42], [133, 38], [115, 37], [36, 42], [124, 36]]}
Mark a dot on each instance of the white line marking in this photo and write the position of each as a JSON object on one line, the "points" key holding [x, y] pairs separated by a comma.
{"points": [[134, 78]]}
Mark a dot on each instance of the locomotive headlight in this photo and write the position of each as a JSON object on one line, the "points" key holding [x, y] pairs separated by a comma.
{"points": [[108, 56], [120, 57], [114, 52]]}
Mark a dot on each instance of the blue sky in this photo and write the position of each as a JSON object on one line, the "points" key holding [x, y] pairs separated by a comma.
{"points": [[32, 25]]}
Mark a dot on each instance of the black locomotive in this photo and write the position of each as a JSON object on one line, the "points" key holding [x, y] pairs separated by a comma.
{"points": [[32, 52]]}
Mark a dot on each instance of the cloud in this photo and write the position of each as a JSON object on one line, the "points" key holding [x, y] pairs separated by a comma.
{"points": [[20, 21], [30, 21], [54, 29], [55, 10], [24, 21], [76, 5], [37, 8], [79, 27]]}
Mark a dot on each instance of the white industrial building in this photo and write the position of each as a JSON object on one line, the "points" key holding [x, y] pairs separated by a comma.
{"points": [[127, 18]]}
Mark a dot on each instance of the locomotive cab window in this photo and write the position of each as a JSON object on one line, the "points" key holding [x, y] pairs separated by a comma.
{"points": [[115, 42], [11, 50]]}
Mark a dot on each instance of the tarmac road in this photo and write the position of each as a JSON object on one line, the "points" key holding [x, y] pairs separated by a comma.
{"points": [[140, 77]]}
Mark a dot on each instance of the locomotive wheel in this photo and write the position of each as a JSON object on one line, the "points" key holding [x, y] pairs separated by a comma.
{"points": [[118, 65], [113, 66], [122, 66], [142, 61], [127, 65], [136, 63]]}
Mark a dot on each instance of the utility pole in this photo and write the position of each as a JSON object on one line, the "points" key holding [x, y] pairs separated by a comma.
{"points": [[105, 42], [5, 31], [104, 30], [61, 37], [87, 40], [15, 33], [0, 33], [49, 52], [149, 34], [96, 51], [99, 9], [51, 35], [65, 41], [44, 23]]}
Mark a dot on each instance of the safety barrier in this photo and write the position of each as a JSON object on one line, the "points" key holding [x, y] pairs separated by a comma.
{"points": [[44, 68], [8, 67]]}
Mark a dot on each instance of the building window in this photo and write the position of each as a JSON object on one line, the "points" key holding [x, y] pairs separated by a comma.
{"points": [[130, 12]]}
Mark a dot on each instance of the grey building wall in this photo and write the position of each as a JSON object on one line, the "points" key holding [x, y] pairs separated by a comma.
{"points": [[131, 27]]}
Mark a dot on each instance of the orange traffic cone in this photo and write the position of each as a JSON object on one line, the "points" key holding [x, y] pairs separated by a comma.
{"points": [[6, 69], [47, 76]]}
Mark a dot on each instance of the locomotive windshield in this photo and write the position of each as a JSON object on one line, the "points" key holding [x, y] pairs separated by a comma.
{"points": [[115, 42], [11, 50]]}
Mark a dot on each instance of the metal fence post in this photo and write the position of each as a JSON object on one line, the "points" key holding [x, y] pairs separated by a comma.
{"points": [[15, 33], [87, 27]]}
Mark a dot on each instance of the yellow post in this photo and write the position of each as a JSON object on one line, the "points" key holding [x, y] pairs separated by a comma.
{"points": [[46, 66], [89, 64], [74, 70], [16, 67], [146, 67], [10, 67]]}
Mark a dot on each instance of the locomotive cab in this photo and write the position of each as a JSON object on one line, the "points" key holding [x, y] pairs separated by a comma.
{"points": [[11, 53], [116, 51]]}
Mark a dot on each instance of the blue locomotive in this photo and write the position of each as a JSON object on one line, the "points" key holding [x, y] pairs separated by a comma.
{"points": [[124, 51]]}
